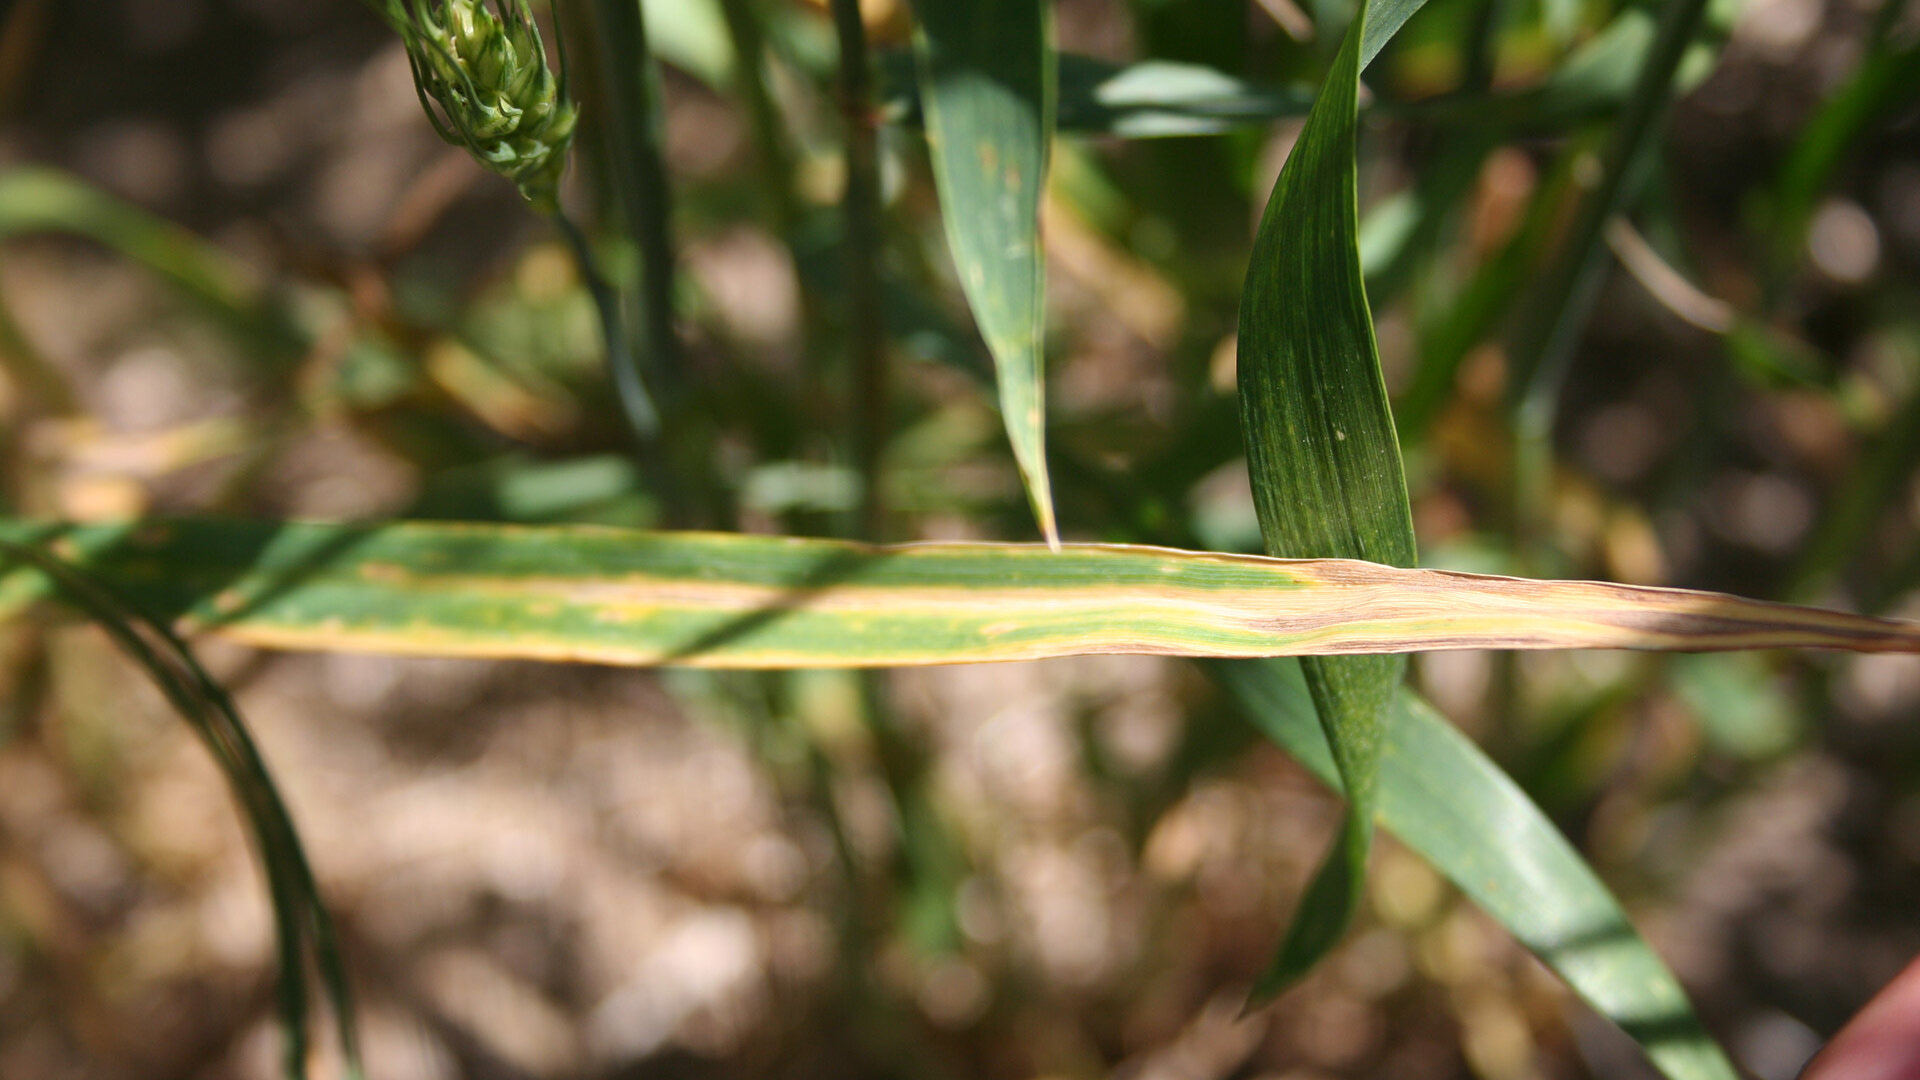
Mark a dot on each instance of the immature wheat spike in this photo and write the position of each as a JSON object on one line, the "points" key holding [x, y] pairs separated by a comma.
{"points": [[497, 96]]}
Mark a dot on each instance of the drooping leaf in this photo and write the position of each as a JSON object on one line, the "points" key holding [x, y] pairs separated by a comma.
{"points": [[623, 596], [1323, 457], [987, 83], [304, 930], [1447, 801]]}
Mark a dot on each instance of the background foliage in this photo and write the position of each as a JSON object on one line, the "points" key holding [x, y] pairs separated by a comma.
{"points": [[1041, 870]]}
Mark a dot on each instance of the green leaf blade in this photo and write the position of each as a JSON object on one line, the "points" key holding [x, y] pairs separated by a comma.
{"points": [[1447, 800], [37, 199], [622, 596], [987, 84], [1320, 436], [1323, 456], [303, 927]]}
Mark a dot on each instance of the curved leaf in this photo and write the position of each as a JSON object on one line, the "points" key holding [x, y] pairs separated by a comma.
{"points": [[303, 928], [1323, 457], [1448, 801]]}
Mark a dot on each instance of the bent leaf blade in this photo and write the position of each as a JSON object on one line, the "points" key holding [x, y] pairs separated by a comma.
{"points": [[1323, 457]]}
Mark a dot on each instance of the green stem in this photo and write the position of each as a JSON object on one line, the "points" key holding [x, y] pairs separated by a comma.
{"points": [[634, 139], [775, 160], [1482, 39], [927, 849], [1543, 344], [860, 207], [815, 410], [634, 401]]}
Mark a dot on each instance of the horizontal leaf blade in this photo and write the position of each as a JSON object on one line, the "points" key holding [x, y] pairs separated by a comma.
{"points": [[623, 596]]}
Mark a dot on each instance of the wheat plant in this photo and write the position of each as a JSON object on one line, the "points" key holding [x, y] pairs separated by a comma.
{"points": [[975, 105]]}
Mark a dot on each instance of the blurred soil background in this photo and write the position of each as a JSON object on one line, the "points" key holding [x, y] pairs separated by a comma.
{"points": [[554, 871]]}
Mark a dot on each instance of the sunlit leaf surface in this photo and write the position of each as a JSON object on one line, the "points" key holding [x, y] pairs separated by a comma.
{"points": [[727, 600], [987, 88]]}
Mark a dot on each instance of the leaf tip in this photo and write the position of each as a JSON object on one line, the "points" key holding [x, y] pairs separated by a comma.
{"points": [[1265, 991], [1040, 494], [1048, 527]]}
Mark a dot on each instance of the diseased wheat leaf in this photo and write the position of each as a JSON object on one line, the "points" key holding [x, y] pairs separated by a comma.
{"points": [[1323, 458], [987, 89], [1450, 803], [622, 596]]}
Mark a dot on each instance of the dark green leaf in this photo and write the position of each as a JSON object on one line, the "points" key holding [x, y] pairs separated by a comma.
{"points": [[1324, 460], [304, 930]]}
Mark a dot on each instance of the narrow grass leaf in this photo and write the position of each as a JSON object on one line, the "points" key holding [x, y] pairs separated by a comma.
{"points": [[1566, 290], [303, 927], [36, 200], [987, 84], [1887, 79], [1160, 98], [1323, 457], [1450, 803], [1157, 98], [623, 596]]}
